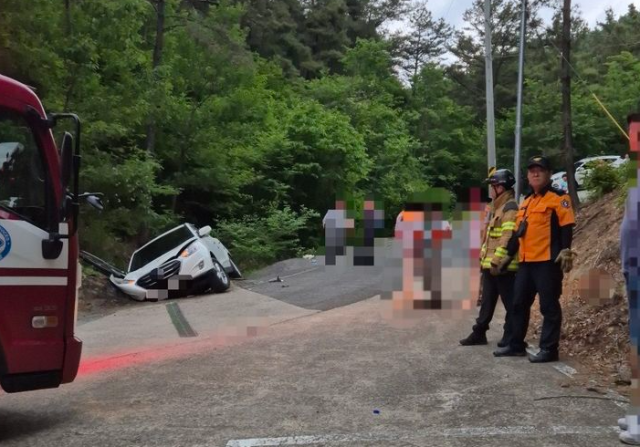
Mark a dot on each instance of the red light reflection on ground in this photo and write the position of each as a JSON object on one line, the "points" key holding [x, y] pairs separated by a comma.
{"points": [[146, 355]]}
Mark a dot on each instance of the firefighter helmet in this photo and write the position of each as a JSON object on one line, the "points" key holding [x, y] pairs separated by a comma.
{"points": [[502, 177]]}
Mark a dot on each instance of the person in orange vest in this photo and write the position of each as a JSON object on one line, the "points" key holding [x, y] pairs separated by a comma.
{"points": [[409, 231], [501, 224], [543, 240]]}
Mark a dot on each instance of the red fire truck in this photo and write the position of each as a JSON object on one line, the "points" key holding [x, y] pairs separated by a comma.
{"points": [[39, 204]]}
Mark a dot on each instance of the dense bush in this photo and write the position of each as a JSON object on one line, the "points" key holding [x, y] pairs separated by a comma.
{"points": [[603, 178], [255, 241]]}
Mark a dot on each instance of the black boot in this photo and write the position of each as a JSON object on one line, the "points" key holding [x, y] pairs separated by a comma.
{"points": [[508, 351], [474, 339], [544, 356], [503, 343]]}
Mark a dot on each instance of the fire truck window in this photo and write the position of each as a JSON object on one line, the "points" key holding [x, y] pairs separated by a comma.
{"points": [[22, 185]]}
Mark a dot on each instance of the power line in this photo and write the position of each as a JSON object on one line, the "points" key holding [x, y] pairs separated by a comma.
{"points": [[448, 10], [604, 108]]}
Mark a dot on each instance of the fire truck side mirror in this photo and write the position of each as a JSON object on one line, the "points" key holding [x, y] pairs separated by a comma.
{"points": [[66, 160]]}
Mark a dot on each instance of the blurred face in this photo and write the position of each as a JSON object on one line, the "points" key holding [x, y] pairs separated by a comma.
{"points": [[538, 177], [369, 205], [340, 204]]}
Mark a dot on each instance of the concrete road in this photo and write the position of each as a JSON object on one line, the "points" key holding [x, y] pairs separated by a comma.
{"points": [[309, 284], [256, 371]]}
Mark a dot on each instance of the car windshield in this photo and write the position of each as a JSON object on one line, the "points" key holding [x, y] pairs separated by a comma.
{"points": [[159, 247]]}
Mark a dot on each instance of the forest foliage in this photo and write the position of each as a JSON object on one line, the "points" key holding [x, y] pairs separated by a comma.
{"points": [[253, 115]]}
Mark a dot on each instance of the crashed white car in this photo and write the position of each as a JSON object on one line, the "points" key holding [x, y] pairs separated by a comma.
{"points": [[583, 167], [180, 262]]}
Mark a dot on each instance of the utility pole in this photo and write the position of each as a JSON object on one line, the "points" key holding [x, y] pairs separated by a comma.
{"points": [[567, 126], [159, 6], [516, 167], [491, 128]]}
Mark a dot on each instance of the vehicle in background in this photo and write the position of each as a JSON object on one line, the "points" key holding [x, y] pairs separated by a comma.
{"points": [[180, 262], [39, 203], [584, 166]]}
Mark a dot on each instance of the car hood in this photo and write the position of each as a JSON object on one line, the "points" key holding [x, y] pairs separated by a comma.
{"points": [[171, 254]]}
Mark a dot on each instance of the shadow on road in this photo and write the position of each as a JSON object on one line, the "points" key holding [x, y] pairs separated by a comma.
{"points": [[15, 425]]}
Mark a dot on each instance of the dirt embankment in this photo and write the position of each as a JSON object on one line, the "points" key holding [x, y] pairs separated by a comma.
{"points": [[98, 297], [595, 335]]}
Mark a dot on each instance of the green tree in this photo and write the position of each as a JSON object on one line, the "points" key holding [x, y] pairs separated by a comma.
{"points": [[426, 41]]}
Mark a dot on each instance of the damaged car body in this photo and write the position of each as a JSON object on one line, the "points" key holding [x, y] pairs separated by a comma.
{"points": [[183, 261]]}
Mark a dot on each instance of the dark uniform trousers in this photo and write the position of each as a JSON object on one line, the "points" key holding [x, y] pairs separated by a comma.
{"points": [[492, 287], [545, 279]]}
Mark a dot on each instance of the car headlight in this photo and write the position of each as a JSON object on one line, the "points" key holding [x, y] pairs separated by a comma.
{"points": [[188, 251]]}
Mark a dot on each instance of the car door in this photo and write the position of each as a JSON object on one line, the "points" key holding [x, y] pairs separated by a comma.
{"points": [[219, 251]]}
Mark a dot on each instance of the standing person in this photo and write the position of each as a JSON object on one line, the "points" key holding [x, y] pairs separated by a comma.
{"points": [[545, 230], [498, 278], [563, 185], [373, 219], [409, 231], [436, 230], [485, 217], [335, 224], [630, 253]]}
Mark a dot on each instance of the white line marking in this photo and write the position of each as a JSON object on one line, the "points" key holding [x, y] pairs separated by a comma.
{"points": [[33, 281], [464, 432]]}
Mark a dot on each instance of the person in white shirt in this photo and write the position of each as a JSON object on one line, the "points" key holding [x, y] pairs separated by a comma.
{"points": [[335, 224]]}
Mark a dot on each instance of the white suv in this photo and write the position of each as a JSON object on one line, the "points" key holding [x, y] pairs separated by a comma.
{"points": [[180, 262], [584, 166]]}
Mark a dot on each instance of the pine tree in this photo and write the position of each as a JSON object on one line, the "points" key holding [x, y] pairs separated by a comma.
{"points": [[426, 41], [275, 31]]}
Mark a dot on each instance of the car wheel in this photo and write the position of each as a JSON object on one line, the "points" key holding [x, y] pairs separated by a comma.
{"points": [[235, 272], [220, 281]]}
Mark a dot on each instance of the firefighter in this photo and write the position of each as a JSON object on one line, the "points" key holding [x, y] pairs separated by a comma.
{"points": [[543, 240], [498, 278]]}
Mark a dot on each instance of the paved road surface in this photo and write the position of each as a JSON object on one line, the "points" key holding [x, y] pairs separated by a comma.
{"points": [[312, 285], [263, 372]]}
